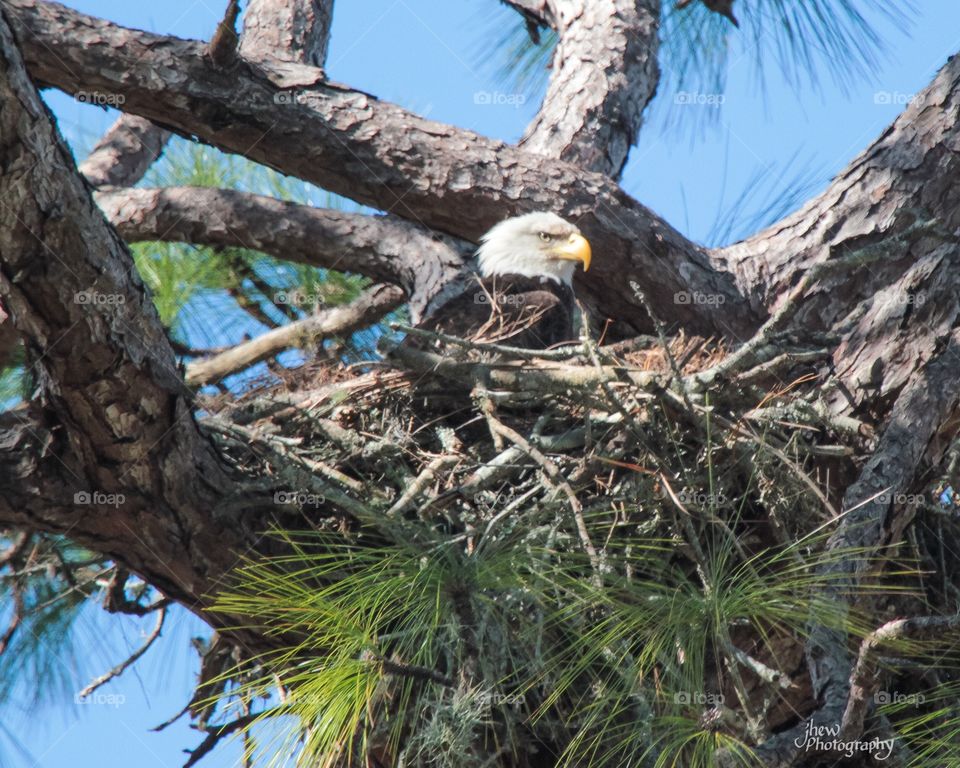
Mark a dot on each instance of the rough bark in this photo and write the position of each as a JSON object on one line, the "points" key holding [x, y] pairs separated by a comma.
{"points": [[928, 401], [116, 419], [604, 74], [286, 117], [125, 153], [292, 30], [383, 248], [899, 305], [892, 214]]}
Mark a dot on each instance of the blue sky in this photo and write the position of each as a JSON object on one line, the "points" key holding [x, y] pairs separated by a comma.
{"points": [[435, 58]]}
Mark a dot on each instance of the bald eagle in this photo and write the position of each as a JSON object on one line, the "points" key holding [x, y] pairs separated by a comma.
{"points": [[521, 294]]}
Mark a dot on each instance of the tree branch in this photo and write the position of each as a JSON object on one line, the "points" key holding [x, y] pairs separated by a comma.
{"points": [[917, 415], [292, 30], [224, 44], [381, 155], [367, 308], [118, 670], [604, 74], [383, 248], [863, 677], [126, 151], [115, 433]]}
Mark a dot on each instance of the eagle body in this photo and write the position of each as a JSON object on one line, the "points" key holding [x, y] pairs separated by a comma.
{"points": [[521, 294], [515, 310]]}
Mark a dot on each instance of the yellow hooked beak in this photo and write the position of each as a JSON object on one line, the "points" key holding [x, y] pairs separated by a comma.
{"points": [[575, 249]]}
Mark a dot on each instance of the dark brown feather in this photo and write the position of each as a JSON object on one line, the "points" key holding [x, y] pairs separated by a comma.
{"points": [[518, 311]]}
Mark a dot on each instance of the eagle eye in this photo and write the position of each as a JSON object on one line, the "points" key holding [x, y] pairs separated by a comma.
{"points": [[546, 237]]}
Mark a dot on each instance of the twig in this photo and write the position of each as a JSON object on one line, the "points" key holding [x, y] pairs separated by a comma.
{"points": [[15, 549], [116, 601], [223, 45], [863, 676], [216, 733], [662, 336], [124, 665], [424, 479], [367, 308], [247, 437], [409, 670], [16, 619], [565, 352], [513, 505], [509, 376], [558, 480]]}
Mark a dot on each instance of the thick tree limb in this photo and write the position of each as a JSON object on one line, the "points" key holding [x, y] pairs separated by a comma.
{"points": [[292, 30], [366, 309], [604, 74], [126, 151], [381, 155], [459, 182], [117, 424], [383, 248], [922, 407]]}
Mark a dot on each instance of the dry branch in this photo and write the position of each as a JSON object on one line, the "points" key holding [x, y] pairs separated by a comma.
{"points": [[365, 310]]}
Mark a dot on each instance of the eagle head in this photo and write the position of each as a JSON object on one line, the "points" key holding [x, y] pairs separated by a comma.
{"points": [[538, 244]]}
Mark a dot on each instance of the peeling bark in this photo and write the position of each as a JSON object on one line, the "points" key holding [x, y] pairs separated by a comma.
{"points": [[605, 73], [292, 30]]}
